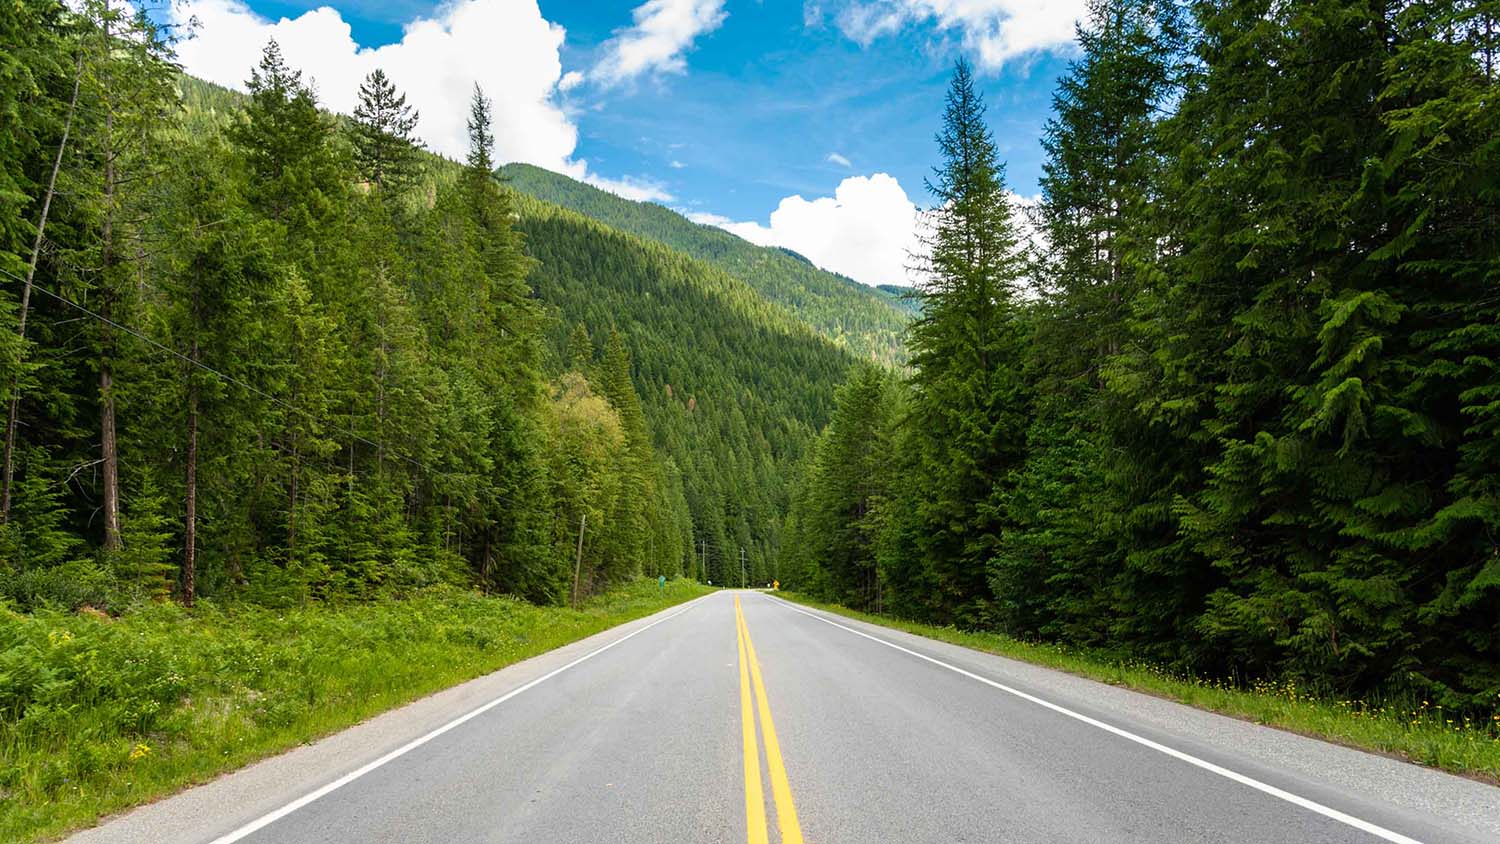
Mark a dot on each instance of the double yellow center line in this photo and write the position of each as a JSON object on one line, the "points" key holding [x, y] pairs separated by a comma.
{"points": [[781, 789]]}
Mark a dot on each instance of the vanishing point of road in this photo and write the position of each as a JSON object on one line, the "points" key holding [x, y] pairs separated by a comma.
{"points": [[740, 717]]}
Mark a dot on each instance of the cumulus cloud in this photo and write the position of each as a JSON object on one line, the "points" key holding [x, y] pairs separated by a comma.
{"points": [[994, 31], [835, 158], [663, 31], [505, 46], [866, 230]]}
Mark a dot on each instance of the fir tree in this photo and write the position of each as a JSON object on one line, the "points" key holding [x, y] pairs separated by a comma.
{"points": [[481, 159], [384, 149], [970, 402]]}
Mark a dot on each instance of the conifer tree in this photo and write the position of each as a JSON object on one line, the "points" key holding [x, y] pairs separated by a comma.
{"points": [[384, 148], [970, 399], [129, 94], [481, 158], [286, 143], [1097, 188]]}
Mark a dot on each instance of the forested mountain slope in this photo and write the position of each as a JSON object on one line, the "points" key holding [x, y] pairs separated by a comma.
{"points": [[732, 388], [733, 385], [862, 320]]}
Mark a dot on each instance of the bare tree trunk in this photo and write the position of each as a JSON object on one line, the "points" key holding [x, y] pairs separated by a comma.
{"points": [[111, 458], [190, 524], [291, 512], [107, 443], [36, 251]]}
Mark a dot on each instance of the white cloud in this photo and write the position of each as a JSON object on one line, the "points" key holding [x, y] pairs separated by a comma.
{"points": [[995, 31], [504, 45], [663, 31], [677, 165], [835, 158], [706, 218], [632, 187], [866, 230]]}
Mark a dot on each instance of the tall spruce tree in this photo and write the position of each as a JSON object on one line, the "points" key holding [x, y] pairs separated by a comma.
{"points": [[843, 498], [128, 94], [970, 397]]}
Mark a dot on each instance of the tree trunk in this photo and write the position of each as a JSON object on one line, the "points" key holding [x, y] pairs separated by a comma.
{"points": [[291, 512], [36, 251], [107, 443], [190, 523], [111, 458]]}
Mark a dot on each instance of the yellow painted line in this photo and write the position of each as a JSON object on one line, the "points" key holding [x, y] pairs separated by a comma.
{"points": [[781, 788], [755, 796]]}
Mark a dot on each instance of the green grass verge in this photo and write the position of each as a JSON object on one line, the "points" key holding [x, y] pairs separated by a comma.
{"points": [[1406, 729], [98, 714]]}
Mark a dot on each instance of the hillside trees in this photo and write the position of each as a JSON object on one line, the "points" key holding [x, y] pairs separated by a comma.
{"points": [[1259, 362], [321, 392], [731, 389]]}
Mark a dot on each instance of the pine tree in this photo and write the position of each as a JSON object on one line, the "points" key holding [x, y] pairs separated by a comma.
{"points": [[844, 495], [1097, 188], [384, 148], [128, 94]]}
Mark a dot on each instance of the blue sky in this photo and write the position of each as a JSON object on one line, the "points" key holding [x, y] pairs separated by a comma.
{"points": [[726, 109]]}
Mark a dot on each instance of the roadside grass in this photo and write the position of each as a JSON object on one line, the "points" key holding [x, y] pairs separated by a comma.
{"points": [[98, 714], [1401, 727]]}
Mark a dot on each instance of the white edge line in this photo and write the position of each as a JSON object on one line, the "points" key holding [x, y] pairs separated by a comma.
{"points": [[271, 817], [1296, 800]]}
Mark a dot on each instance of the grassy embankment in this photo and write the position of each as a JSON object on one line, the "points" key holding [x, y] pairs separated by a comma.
{"points": [[1405, 728], [98, 714]]}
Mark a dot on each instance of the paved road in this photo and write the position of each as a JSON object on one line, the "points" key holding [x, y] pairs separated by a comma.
{"points": [[740, 717]]}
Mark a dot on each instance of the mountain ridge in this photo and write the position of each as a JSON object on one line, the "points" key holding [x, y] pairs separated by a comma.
{"points": [[858, 318]]}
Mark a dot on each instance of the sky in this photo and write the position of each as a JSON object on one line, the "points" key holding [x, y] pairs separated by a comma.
{"points": [[807, 124]]}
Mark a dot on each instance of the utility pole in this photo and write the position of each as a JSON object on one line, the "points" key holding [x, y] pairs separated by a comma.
{"points": [[578, 563], [743, 581]]}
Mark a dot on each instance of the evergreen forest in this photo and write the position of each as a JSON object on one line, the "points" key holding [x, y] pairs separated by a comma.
{"points": [[1227, 399]]}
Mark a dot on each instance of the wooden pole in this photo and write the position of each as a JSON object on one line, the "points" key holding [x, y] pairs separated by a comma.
{"points": [[578, 563]]}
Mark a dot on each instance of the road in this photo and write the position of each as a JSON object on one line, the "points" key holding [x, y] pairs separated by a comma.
{"points": [[740, 717]]}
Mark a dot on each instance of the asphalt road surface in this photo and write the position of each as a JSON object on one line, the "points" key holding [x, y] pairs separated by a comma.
{"points": [[743, 718]]}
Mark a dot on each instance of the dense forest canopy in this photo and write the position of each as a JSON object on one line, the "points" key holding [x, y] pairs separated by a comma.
{"points": [[1243, 415], [257, 352]]}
